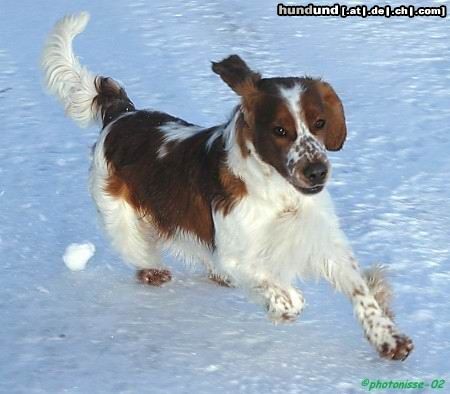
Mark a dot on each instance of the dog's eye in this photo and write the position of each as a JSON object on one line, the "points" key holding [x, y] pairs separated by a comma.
{"points": [[280, 131], [319, 124]]}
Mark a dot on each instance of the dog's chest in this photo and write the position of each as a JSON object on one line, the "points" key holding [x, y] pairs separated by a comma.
{"points": [[290, 230]]}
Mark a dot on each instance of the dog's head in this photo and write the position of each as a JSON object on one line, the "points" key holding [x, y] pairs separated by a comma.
{"points": [[291, 122]]}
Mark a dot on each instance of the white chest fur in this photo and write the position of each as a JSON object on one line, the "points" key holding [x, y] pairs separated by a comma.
{"points": [[287, 236]]}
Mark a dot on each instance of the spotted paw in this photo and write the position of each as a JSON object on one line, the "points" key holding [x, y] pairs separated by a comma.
{"points": [[283, 306], [400, 349], [154, 276]]}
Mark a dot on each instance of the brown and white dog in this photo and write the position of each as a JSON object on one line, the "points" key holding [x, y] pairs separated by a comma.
{"points": [[245, 198]]}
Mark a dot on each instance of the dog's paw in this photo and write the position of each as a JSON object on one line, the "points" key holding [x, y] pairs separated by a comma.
{"points": [[154, 276], [283, 306], [398, 348], [388, 341], [221, 280]]}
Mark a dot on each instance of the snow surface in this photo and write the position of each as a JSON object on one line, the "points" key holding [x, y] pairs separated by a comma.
{"points": [[77, 256], [98, 331]]}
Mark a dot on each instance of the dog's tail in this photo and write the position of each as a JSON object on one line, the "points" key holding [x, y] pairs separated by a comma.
{"points": [[85, 97]]}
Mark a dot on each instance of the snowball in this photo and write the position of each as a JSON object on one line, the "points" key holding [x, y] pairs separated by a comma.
{"points": [[212, 368], [76, 256]]}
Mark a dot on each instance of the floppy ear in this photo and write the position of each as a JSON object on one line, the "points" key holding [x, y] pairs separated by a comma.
{"points": [[337, 130], [237, 75]]}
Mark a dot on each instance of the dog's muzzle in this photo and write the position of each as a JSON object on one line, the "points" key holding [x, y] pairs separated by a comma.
{"points": [[308, 166], [310, 178]]}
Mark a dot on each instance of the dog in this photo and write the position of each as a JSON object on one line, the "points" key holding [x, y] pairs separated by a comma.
{"points": [[247, 198]]}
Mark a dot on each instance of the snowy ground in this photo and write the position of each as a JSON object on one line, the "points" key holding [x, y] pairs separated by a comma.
{"points": [[97, 331]]}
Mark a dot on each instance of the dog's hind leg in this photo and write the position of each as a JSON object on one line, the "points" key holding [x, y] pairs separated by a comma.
{"points": [[135, 240], [131, 234]]}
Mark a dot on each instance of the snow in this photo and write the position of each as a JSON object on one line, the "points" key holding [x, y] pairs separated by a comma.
{"points": [[77, 256], [101, 332]]}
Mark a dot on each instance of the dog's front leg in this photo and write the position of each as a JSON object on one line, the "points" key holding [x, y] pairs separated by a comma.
{"points": [[241, 257], [282, 302], [374, 315]]}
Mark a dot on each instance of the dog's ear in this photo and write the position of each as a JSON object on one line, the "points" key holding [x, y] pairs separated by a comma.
{"points": [[337, 129], [237, 75]]}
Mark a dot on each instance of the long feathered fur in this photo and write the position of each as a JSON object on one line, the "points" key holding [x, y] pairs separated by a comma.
{"points": [[379, 287], [64, 76]]}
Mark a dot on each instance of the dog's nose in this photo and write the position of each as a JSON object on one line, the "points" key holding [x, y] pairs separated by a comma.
{"points": [[316, 173]]}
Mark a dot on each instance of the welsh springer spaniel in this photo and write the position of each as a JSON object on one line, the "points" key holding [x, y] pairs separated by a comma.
{"points": [[246, 198]]}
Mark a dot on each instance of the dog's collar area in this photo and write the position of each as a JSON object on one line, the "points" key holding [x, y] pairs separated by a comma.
{"points": [[113, 113]]}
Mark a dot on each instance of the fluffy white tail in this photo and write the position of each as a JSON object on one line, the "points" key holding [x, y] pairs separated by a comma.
{"points": [[64, 76]]}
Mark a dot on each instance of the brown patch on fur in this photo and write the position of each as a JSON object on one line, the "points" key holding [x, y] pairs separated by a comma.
{"points": [[237, 75], [116, 187], [319, 101], [234, 189], [283, 117], [336, 129], [270, 112], [313, 107], [176, 192], [111, 100], [153, 276]]}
